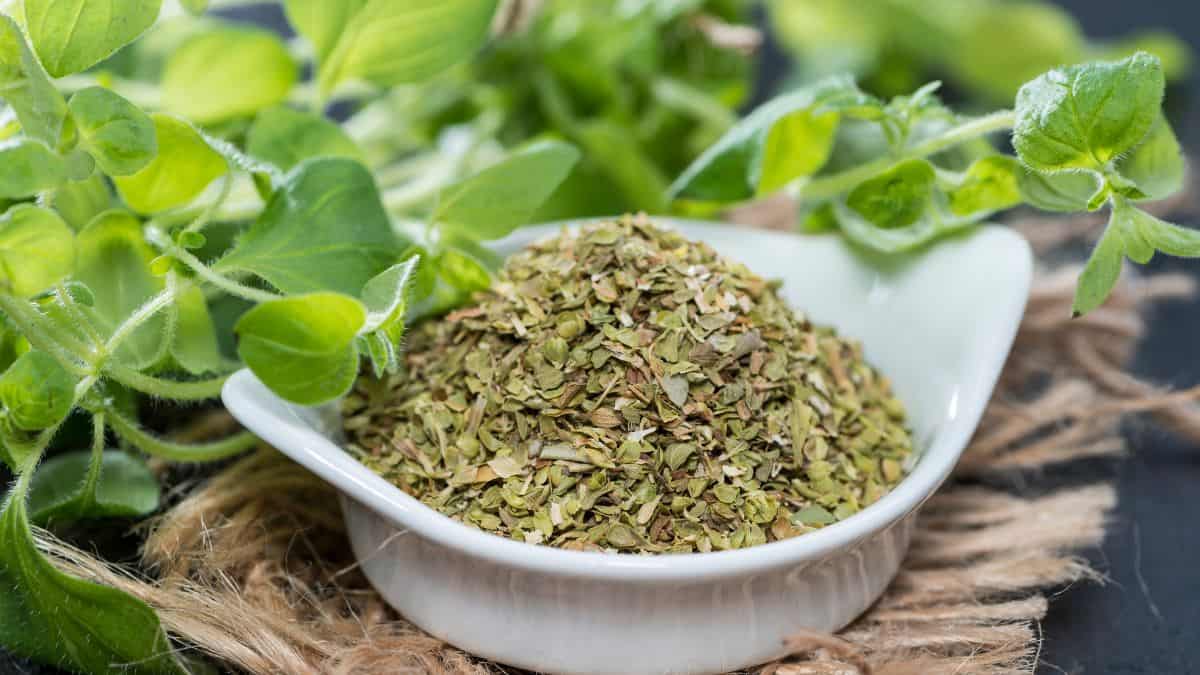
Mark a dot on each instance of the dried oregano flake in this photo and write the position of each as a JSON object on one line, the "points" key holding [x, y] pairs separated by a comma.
{"points": [[623, 388]]}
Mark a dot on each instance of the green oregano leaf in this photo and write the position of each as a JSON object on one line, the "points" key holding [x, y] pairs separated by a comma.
{"points": [[80, 201], [114, 262], [27, 167], [227, 72], [321, 22], [62, 620], [1157, 166], [126, 488], [73, 35], [787, 138], [385, 296], [462, 271], [1069, 192], [1163, 236], [192, 240], [184, 166], [285, 137], [325, 229], [1083, 117], [37, 250], [386, 300], [194, 345], [988, 185], [24, 84], [36, 391], [303, 347], [115, 132], [1102, 270], [900, 209], [897, 197], [933, 224], [80, 165], [389, 43], [502, 197]]}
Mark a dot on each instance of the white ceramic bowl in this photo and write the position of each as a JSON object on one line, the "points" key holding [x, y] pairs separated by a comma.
{"points": [[938, 322]]}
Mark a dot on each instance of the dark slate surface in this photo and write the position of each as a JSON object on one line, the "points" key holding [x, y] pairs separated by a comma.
{"points": [[1147, 618]]}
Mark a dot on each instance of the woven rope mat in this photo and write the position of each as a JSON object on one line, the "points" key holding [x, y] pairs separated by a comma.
{"points": [[252, 567]]}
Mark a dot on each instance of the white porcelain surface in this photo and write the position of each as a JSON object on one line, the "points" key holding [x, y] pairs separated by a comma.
{"points": [[938, 322]]}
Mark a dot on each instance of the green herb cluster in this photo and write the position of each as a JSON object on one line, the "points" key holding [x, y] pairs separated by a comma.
{"points": [[895, 175], [624, 388], [146, 222], [641, 87]]}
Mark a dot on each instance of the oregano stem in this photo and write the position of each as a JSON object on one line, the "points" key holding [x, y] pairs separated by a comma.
{"points": [[92, 479], [828, 187], [143, 314], [29, 322], [197, 390], [179, 452], [206, 216], [72, 309], [209, 275]]}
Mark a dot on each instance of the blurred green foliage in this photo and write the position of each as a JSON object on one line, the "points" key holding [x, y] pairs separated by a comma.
{"points": [[641, 86], [984, 49]]}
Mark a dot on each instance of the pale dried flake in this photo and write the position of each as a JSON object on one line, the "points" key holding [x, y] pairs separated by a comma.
{"points": [[506, 467], [562, 451], [641, 434], [646, 512], [676, 387], [606, 418]]}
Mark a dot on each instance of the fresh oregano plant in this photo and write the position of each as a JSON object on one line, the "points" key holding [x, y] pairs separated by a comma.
{"points": [[144, 219], [895, 175]]}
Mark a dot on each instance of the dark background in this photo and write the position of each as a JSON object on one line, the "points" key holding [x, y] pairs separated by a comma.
{"points": [[1146, 617]]}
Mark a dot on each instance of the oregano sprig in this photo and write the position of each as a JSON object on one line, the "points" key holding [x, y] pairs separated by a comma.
{"points": [[897, 175]]}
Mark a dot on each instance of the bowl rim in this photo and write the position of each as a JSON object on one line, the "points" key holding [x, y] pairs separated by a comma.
{"points": [[246, 398]]}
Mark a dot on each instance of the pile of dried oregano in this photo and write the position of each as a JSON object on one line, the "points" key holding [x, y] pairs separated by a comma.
{"points": [[621, 387]]}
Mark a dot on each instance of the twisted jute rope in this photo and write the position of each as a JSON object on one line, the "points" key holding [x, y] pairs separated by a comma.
{"points": [[251, 568]]}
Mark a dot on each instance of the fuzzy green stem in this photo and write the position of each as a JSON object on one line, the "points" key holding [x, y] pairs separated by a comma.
{"points": [[179, 452], [143, 314], [197, 390], [828, 187], [30, 324], [72, 309], [209, 275], [92, 479], [206, 216]]}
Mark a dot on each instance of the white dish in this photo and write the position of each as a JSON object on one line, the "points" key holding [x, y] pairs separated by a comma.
{"points": [[938, 322]]}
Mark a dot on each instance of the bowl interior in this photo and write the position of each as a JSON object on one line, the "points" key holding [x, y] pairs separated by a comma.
{"points": [[939, 322]]}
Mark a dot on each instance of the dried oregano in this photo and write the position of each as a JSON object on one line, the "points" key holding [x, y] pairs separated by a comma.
{"points": [[621, 387]]}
